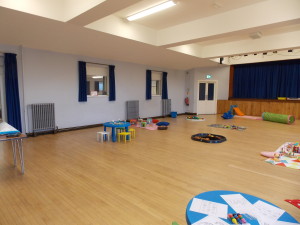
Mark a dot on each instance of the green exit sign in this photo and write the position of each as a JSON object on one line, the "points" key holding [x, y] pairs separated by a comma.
{"points": [[208, 76]]}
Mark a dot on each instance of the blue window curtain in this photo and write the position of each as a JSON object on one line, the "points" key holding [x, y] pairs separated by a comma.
{"points": [[164, 86], [112, 83], [148, 84], [12, 91], [82, 97], [267, 80]]}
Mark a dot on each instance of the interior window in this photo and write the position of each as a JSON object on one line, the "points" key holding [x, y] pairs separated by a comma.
{"points": [[156, 83], [97, 79]]}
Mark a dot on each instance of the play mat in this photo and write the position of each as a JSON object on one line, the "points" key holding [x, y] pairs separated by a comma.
{"points": [[195, 118], [231, 127], [208, 138], [287, 155]]}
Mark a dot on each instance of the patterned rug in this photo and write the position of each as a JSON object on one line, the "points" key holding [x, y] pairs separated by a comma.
{"points": [[231, 127], [285, 161]]}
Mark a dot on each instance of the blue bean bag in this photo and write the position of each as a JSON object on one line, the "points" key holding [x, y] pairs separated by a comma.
{"points": [[163, 124]]}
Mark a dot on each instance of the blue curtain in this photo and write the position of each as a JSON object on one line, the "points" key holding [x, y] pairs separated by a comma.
{"points": [[267, 80], [164, 86], [12, 91], [148, 84], [112, 83], [82, 97]]}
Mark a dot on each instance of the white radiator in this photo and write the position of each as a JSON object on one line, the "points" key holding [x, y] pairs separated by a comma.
{"points": [[166, 107], [43, 117]]}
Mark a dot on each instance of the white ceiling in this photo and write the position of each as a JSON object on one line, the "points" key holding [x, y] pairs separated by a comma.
{"points": [[194, 33]]}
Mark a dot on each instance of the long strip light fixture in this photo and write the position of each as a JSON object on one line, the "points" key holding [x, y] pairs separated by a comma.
{"points": [[151, 10]]}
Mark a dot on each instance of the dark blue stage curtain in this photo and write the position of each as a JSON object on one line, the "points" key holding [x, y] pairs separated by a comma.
{"points": [[12, 91], [164, 86], [148, 84], [112, 83], [267, 80], [82, 96]]}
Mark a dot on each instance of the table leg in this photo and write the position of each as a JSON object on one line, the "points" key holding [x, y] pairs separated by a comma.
{"points": [[127, 130], [113, 134], [13, 143], [21, 154]]}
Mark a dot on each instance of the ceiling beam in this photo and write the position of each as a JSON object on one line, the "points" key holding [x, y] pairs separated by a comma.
{"points": [[247, 19], [100, 11], [268, 43]]}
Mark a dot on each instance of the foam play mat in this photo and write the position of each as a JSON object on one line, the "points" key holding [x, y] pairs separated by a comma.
{"points": [[231, 127], [295, 202]]}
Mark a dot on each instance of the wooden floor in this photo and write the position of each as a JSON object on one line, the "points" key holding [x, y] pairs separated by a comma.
{"points": [[71, 179]]}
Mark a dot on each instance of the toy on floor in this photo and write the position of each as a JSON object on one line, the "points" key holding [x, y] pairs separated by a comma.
{"points": [[232, 127], [286, 155], [295, 202], [227, 115], [238, 111], [279, 118], [195, 118], [208, 138], [162, 125]]}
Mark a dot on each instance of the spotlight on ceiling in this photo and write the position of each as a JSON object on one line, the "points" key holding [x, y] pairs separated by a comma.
{"points": [[151, 10]]}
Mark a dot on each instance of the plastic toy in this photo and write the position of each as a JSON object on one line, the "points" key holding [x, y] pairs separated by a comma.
{"points": [[227, 115], [195, 118], [208, 138], [279, 118]]}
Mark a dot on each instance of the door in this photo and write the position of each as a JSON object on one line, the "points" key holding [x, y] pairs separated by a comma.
{"points": [[207, 97]]}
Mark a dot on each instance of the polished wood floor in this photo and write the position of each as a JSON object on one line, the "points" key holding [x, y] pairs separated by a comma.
{"points": [[72, 179]]}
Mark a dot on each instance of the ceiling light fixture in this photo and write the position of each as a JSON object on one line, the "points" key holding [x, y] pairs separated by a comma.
{"points": [[151, 10], [97, 77]]}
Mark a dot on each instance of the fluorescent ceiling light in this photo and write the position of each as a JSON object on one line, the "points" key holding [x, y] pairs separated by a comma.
{"points": [[152, 10], [97, 77]]}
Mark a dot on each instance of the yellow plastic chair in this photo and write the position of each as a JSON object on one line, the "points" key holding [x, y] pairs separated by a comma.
{"points": [[132, 131], [124, 135]]}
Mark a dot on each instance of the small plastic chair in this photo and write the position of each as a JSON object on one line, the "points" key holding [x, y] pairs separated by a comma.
{"points": [[103, 136], [120, 129], [132, 131], [124, 135]]}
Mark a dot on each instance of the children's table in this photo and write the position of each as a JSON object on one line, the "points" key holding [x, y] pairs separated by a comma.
{"points": [[113, 126]]}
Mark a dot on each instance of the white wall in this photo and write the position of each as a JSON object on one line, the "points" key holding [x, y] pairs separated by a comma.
{"points": [[46, 77], [220, 74], [53, 77]]}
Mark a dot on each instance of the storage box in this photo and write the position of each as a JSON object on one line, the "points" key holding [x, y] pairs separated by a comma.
{"points": [[173, 114]]}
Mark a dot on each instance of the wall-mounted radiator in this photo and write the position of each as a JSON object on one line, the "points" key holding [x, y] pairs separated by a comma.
{"points": [[166, 107], [42, 117], [132, 108]]}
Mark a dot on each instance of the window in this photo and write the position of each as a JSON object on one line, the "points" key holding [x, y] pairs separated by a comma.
{"points": [[156, 83], [97, 79]]}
